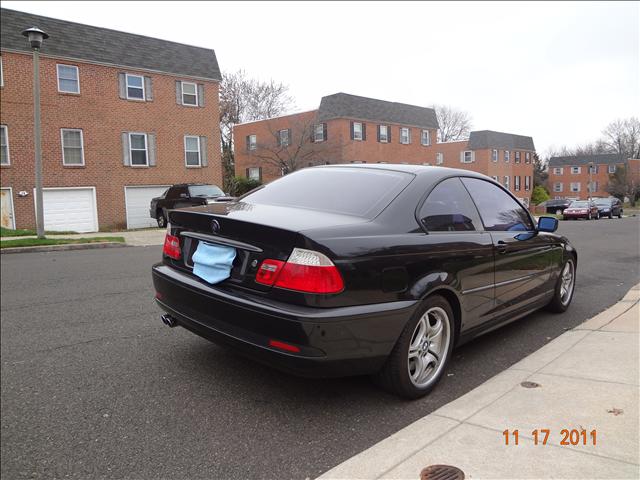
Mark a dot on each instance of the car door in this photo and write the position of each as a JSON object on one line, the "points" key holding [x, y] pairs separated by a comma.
{"points": [[457, 245], [182, 198], [523, 257]]}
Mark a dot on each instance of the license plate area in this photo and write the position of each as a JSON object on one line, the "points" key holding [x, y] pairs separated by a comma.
{"points": [[239, 266]]}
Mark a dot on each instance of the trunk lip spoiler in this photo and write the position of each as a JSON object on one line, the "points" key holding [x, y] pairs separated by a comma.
{"points": [[221, 240]]}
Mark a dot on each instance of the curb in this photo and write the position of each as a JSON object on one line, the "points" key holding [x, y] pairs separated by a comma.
{"points": [[61, 248]]}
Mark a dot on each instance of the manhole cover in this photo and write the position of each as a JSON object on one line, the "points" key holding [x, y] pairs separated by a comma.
{"points": [[441, 472], [530, 384]]}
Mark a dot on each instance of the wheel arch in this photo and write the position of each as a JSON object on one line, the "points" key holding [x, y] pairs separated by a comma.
{"points": [[454, 301]]}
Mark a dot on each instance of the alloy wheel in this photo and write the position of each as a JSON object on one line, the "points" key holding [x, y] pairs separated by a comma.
{"points": [[429, 346], [567, 281]]}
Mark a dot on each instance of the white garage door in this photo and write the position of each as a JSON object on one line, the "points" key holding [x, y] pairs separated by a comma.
{"points": [[70, 209], [137, 200]]}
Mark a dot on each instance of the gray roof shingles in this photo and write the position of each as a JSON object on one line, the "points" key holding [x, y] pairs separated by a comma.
{"points": [[598, 159], [343, 105], [101, 45], [482, 139]]}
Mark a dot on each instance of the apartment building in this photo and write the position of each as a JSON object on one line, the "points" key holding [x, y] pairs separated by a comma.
{"points": [[580, 176], [353, 129], [123, 117]]}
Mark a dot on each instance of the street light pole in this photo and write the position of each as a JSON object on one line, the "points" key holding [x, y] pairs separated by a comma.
{"points": [[36, 37], [590, 179]]}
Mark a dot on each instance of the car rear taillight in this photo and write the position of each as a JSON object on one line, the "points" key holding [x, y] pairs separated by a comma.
{"points": [[172, 246], [304, 271]]}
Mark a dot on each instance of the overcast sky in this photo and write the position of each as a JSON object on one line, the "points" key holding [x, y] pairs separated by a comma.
{"points": [[556, 71]]}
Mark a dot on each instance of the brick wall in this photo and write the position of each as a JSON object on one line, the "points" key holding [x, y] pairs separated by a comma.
{"points": [[339, 148], [103, 116]]}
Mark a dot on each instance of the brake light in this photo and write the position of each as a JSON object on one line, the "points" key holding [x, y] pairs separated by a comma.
{"points": [[287, 347], [304, 271], [172, 247]]}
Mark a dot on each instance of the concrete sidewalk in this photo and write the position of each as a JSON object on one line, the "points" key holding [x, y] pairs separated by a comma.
{"points": [[137, 238], [586, 379]]}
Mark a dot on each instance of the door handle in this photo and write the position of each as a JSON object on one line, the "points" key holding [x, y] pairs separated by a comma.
{"points": [[501, 247]]}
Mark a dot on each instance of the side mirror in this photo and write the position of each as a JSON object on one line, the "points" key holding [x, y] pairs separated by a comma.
{"points": [[547, 224], [183, 195]]}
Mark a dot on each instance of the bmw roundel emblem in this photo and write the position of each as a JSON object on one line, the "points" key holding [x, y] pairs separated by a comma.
{"points": [[215, 226]]}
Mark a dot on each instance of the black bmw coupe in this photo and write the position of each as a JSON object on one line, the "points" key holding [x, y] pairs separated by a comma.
{"points": [[362, 269]]}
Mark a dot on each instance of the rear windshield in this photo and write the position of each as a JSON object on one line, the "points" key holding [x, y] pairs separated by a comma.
{"points": [[360, 192], [204, 191], [583, 203], [602, 201]]}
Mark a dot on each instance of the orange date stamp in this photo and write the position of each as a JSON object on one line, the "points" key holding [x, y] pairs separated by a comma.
{"points": [[541, 436]]}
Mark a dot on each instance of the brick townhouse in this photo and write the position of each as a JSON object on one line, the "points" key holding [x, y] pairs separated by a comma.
{"points": [[353, 129], [123, 117], [569, 176]]}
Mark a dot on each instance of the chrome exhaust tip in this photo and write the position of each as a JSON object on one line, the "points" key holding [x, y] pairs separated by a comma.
{"points": [[169, 321]]}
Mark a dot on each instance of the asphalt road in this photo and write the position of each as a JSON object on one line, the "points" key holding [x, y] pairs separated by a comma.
{"points": [[94, 386]]}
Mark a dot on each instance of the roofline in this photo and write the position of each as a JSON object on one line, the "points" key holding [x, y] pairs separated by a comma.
{"points": [[345, 117], [109, 29], [116, 65], [275, 118]]}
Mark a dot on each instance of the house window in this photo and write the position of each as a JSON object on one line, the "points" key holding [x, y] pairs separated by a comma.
{"points": [[189, 94], [517, 157], [319, 132], [72, 147], [439, 158], [192, 151], [138, 149], [4, 145], [283, 138], [494, 155], [593, 168], [135, 87], [516, 183], [593, 187], [467, 157], [505, 181], [252, 142], [557, 187], [575, 170], [357, 131], [558, 171], [253, 173], [507, 156], [525, 202], [527, 158], [384, 133], [575, 186], [612, 169], [405, 136], [425, 137], [527, 183], [68, 79], [495, 178]]}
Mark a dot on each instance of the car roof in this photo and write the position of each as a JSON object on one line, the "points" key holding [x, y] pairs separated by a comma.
{"points": [[191, 184], [418, 170]]}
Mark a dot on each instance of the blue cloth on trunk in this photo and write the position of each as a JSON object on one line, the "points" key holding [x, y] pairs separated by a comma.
{"points": [[212, 262]]}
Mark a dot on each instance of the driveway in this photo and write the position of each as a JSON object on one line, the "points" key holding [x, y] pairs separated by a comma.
{"points": [[94, 386]]}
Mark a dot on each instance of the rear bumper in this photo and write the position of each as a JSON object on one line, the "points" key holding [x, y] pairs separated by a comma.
{"points": [[575, 215], [333, 342]]}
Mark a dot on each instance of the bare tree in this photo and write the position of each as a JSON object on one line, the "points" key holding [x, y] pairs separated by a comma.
{"points": [[298, 151], [245, 99], [453, 124], [622, 136]]}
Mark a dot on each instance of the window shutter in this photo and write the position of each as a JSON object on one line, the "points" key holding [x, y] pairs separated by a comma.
{"points": [[148, 89], [351, 124], [388, 133], [461, 157], [324, 131], [246, 173], [409, 134], [289, 136], [278, 138], [260, 174], [203, 152], [312, 137], [178, 92], [122, 85], [378, 130], [201, 95], [248, 142], [364, 131], [151, 149], [126, 159]]}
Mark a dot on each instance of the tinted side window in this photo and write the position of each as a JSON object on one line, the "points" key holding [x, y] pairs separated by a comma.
{"points": [[174, 192], [498, 210], [448, 208]]}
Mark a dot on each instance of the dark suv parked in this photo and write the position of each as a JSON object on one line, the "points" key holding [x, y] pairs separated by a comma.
{"points": [[182, 195], [609, 207]]}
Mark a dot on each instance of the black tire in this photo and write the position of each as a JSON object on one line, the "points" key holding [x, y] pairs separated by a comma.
{"points": [[558, 303], [394, 375], [161, 219], [598, 215], [589, 216], [620, 214], [610, 215]]}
